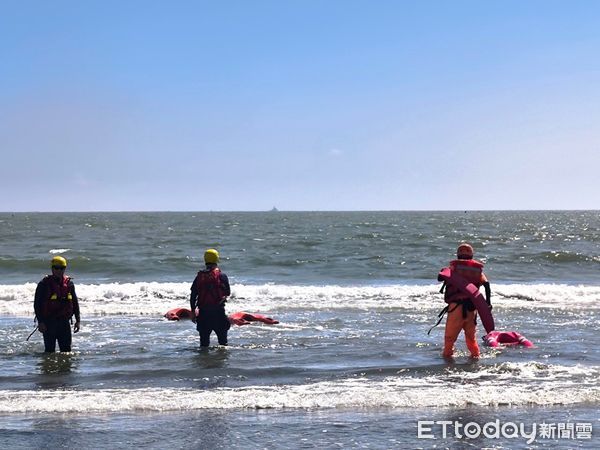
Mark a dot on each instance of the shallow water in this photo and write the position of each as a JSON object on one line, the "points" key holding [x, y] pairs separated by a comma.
{"points": [[350, 364]]}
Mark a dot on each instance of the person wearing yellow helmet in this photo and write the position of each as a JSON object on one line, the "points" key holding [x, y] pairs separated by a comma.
{"points": [[211, 256], [55, 303], [209, 293], [58, 261]]}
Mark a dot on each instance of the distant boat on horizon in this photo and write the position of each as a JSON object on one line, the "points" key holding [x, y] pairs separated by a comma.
{"points": [[274, 209]]}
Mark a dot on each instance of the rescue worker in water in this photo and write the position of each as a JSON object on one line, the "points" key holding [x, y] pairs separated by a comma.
{"points": [[462, 314], [209, 293], [55, 304]]}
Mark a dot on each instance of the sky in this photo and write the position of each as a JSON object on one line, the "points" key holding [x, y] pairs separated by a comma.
{"points": [[299, 104]]}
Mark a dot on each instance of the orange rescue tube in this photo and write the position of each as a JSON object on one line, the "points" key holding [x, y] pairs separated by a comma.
{"points": [[243, 318], [178, 314]]}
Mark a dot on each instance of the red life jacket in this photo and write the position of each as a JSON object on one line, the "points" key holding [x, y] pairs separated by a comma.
{"points": [[210, 291], [471, 270], [59, 304]]}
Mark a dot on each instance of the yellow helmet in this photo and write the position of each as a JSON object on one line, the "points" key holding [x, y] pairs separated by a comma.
{"points": [[211, 256], [58, 261]]}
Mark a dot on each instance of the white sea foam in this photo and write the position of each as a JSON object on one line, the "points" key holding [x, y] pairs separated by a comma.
{"points": [[507, 384], [54, 251], [152, 298]]}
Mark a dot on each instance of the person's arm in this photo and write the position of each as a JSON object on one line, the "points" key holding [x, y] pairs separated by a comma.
{"points": [[193, 299], [40, 296], [225, 285], [75, 308]]}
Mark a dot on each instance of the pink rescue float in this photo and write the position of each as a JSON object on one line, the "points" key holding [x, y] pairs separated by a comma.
{"points": [[498, 339]]}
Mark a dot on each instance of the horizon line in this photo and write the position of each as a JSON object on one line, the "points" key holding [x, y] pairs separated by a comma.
{"points": [[293, 211]]}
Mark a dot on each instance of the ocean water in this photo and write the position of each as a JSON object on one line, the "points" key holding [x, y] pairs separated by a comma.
{"points": [[349, 366]]}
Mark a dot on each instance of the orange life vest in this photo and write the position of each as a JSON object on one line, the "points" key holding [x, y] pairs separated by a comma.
{"points": [[471, 270]]}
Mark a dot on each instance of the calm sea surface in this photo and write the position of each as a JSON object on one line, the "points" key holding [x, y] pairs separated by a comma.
{"points": [[349, 366]]}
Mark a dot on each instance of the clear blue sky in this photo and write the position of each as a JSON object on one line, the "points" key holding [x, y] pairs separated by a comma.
{"points": [[303, 105]]}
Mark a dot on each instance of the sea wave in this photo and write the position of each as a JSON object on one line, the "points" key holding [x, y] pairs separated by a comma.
{"points": [[55, 251], [507, 384], [152, 298]]}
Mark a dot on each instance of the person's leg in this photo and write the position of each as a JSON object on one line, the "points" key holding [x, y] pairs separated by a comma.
{"points": [[204, 332], [221, 330], [204, 328], [454, 323], [50, 337], [64, 335], [470, 327]]}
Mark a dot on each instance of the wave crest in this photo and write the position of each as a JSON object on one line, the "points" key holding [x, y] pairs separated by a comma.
{"points": [[152, 298]]}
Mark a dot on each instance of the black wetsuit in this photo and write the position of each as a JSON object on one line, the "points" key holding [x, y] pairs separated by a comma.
{"points": [[211, 317], [57, 321]]}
